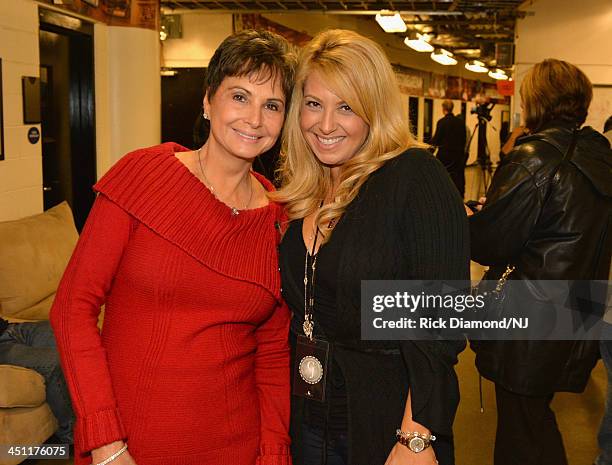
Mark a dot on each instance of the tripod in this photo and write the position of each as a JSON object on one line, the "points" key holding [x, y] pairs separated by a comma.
{"points": [[483, 155]]}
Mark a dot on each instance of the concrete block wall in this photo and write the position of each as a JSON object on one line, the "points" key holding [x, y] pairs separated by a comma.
{"points": [[21, 170]]}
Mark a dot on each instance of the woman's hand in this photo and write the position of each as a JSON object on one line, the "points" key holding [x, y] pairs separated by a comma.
{"points": [[102, 453], [401, 455]]}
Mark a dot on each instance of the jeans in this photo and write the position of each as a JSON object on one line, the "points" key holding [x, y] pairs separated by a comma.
{"points": [[32, 345], [604, 438], [312, 444]]}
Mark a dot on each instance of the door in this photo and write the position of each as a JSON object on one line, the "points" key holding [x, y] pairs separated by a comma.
{"points": [[67, 110], [413, 115], [428, 121]]}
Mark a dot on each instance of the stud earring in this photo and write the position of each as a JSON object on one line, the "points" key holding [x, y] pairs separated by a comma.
{"points": [[205, 115]]}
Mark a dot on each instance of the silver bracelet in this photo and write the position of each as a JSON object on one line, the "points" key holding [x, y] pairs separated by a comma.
{"points": [[114, 456]]}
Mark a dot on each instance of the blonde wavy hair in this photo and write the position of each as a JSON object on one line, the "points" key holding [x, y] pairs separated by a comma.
{"points": [[357, 70]]}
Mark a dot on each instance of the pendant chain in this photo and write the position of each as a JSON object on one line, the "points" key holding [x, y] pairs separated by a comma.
{"points": [[235, 210], [309, 281]]}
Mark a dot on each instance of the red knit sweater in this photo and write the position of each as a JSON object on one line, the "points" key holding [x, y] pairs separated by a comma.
{"points": [[192, 366]]}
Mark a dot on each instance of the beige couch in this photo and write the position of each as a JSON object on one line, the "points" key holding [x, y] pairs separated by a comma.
{"points": [[34, 252]]}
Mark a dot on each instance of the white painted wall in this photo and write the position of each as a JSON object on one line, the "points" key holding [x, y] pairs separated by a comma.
{"points": [[202, 34], [21, 170], [131, 107], [578, 32]]}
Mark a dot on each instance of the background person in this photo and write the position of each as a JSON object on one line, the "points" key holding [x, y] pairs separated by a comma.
{"points": [[32, 345], [192, 365], [547, 213], [450, 138], [365, 203]]}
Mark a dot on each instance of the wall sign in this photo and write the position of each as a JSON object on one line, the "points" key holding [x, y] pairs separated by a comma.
{"points": [[33, 135], [30, 88]]}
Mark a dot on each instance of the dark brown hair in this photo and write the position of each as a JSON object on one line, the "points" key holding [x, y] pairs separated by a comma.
{"points": [[555, 89], [263, 54]]}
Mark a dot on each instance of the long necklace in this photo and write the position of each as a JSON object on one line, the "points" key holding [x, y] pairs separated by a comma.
{"points": [[235, 210], [309, 288], [309, 282]]}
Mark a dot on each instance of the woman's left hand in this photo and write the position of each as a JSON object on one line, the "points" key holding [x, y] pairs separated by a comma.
{"points": [[401, 455]]}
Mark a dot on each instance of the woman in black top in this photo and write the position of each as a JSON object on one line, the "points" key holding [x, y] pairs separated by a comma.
{"points": [[351, 167]]}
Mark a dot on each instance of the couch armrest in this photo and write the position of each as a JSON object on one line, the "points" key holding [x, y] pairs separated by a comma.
{"points": [[21, 387]]}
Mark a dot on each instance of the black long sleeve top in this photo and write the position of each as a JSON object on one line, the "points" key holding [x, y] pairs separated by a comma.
{"points": [[407, 222]]}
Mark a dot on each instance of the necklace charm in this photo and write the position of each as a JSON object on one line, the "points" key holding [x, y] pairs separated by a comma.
{"points": [[308, 327], [310, 369], [235, 211]]}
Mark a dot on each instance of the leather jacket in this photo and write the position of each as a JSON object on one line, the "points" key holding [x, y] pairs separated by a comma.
{"points": [[548, 213]]}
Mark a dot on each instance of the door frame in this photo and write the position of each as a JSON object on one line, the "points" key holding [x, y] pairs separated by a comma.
{"points": [[83, 159]]}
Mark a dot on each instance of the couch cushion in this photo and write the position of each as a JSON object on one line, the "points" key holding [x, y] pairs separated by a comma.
{"points": [[34, 252], [25, 426], [20, 387]]}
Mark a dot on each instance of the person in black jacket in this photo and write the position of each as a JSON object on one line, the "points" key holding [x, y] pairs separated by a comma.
{"points": [[450, 137], [365, 202], [548, 214]]}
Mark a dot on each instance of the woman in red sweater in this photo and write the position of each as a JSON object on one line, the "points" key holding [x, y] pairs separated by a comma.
{"points": [[191, 367]]}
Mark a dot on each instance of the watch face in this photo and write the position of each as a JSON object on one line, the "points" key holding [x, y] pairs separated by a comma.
{"points": [[416, 445]]}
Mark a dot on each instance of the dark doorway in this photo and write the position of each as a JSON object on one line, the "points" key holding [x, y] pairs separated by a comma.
{"points": [[182, 96], [68, 113], [428, 121], [413, 114]]}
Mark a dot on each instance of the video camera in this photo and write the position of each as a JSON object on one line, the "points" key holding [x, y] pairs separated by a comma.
{"points": [[483, 110]]}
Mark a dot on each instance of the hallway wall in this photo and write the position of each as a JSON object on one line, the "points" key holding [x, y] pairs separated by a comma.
{"points": [[21, 170], [580, 34], [127, 96]]}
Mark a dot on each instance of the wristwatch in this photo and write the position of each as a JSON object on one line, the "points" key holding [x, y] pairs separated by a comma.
{"points": [[415, 441]]}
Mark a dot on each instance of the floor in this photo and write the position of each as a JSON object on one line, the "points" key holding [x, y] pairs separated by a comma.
{"points": [[578, 415]]}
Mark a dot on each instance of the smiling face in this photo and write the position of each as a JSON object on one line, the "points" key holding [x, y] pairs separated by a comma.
{"points": [[333, 132], [246, 116]]}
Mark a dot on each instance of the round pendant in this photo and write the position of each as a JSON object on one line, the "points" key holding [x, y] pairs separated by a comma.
{"points": [[310, 369]]}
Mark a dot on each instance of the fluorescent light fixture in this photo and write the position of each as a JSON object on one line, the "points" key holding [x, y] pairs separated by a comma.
{"points": [[391, 21], [419, 43], [476, 66], [444, 57], [498, 74]]}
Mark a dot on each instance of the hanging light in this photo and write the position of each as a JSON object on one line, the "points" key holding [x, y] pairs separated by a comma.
{"points": [[391, 21], [444, 57], [499, 74], [419, 42], [476, 66]]}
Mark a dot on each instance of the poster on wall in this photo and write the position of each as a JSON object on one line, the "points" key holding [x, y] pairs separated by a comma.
{"points": [[133, 13], [1, 120]]}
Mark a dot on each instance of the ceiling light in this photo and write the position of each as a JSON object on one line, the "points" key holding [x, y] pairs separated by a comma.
{"points": [[390, 21], [444, 57], [476, 66], [498, 74], [419, 42]]}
